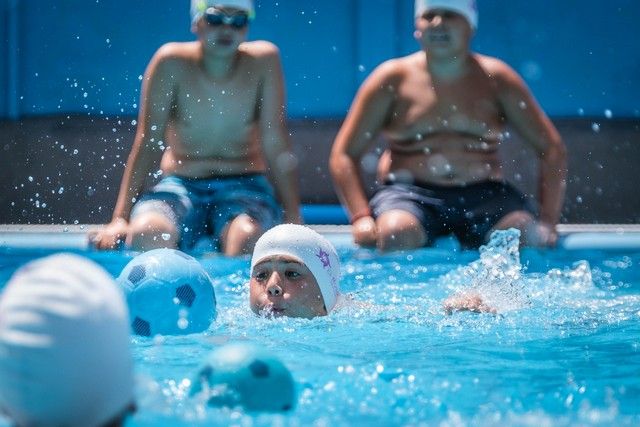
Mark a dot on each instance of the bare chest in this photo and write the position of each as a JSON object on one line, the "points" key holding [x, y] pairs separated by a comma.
{"points": [[216, 109], [422, 107]]}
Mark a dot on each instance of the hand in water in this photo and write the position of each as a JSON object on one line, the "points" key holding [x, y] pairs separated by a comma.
{"points": [[467, 302], [364, 232], [111, 236]]}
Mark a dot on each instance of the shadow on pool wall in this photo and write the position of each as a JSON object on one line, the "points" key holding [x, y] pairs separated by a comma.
{"points": [[63, 169]]}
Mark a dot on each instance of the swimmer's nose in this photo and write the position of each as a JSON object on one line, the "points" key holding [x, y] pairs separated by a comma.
{"points": [[273, 286]]}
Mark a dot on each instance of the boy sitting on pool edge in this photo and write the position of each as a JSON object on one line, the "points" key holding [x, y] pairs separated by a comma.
{"points": [[295, 272], [212, 119]]}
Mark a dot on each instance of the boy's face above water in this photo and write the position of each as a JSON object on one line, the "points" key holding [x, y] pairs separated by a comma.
{"points": [[281, 285]]}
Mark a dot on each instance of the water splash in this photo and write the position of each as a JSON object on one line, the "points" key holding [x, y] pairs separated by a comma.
{"points": [[497, 277]]}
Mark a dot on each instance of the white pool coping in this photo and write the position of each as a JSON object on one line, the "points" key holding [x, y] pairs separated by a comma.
{"points": [[75, 236]]}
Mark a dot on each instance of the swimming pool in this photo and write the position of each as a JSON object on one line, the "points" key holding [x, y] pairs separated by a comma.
{"points": [[564, 351]]}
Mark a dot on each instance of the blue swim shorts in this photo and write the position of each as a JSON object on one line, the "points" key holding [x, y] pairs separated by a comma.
{"points": [[202, 207], [469, 212]]}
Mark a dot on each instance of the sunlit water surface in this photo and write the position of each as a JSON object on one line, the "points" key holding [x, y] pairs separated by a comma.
{"points": [[564, 350]]}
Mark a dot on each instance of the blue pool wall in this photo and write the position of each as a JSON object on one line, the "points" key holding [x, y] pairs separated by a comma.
{"points": [[78, 56], [70, 79]]}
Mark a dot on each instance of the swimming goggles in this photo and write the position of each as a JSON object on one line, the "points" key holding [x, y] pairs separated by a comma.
{"points": [[215, 18]]}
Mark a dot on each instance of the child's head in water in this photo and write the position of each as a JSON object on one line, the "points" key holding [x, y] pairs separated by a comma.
{"points": [[294, 272], [64, 345]]}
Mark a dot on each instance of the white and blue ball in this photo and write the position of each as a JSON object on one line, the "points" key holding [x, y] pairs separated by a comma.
{"points": [[245, 375], [168, 293]]}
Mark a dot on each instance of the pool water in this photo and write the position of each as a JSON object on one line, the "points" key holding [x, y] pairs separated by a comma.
{"points": [[564, 350]]}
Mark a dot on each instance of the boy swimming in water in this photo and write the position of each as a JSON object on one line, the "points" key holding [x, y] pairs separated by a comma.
{"points": [[212, 120], [295, 272]]}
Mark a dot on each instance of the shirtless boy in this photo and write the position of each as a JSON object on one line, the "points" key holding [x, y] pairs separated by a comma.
{"points": [[212, 120], [443, 111]]}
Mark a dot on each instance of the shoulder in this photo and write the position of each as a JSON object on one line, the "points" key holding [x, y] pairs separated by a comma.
{"points": [[399, 67], [260, 50], [392, 71], [499, 71], [176, 54]]}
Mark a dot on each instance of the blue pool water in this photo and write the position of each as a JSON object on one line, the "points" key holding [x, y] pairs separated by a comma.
{"points": [[565, 349]]}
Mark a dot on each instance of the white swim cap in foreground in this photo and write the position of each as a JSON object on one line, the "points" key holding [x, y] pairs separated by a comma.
{"points": [[308, 247], [64, 345], [198, 7], [466, 8]]}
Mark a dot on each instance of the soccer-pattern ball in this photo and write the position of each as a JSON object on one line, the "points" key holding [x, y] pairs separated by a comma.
{"points": [[168, 293], [242, 374]]}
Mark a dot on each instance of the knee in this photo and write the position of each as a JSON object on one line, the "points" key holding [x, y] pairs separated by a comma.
{"points": [[152, 231], [521, 220], [241, 236], [399, 230]]}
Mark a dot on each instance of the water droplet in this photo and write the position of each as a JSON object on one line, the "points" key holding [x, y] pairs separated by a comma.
{"points": [[595, 127], [522, 105], [608, 113], [154, 127], [166, 236], [30, 179], [183, 323]]}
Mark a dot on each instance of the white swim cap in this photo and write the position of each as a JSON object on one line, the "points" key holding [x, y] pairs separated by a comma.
{"points": [[308, 247], [198, 7], [64, 345], [466, 8]]}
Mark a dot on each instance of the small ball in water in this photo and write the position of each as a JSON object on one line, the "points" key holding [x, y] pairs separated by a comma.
{"points": [[243, 374], [168, 293]]}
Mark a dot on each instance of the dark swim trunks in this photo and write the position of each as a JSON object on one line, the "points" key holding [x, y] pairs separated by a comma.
{"points": [[202, 207], [469, 212]]}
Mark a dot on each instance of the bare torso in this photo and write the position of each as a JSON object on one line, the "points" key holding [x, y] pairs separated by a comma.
{"points": [[442, 132], [212, 128]]}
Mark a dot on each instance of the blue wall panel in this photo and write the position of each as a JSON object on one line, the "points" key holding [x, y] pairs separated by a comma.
{"points": [[579, 57]]}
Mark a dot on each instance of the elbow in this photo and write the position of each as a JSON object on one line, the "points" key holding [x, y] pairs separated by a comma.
{"points": [[338, 161]]}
